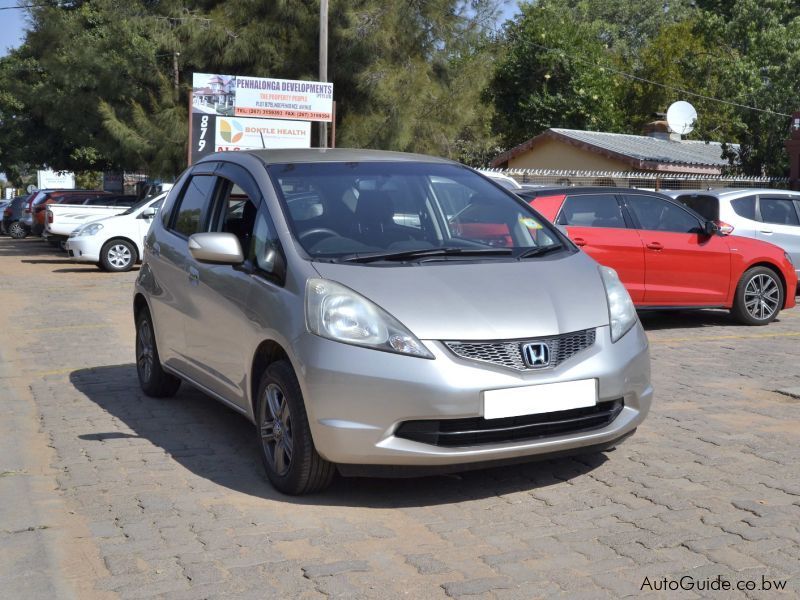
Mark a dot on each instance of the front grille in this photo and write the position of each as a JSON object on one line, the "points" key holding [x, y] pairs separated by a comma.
{"points": [[509, 353], [477, 430]]}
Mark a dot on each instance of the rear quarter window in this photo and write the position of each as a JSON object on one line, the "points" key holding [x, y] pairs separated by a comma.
{"points": [[745, 207]]}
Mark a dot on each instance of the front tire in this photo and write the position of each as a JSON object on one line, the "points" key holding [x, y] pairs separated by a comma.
{"points": [[118, 256], [759, 297], [17, 231], [153, 379], [290, 459]]}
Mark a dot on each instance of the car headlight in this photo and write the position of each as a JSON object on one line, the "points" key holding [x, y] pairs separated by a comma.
{"points": [[338, 313], [90, 229], [621, 312]]}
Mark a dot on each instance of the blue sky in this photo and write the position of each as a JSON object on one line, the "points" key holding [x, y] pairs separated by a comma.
{"points": [[12, 25], [13, 22]]}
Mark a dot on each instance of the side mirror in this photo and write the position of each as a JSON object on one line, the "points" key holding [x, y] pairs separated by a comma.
{"points": [[216, 248], [148, 213], [710, 228]]}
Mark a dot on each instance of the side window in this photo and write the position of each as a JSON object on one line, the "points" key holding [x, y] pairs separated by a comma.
{"points": [[192, 210], [778, 211], [236, 213], [745, 207], [657, 214], [592, 210]]}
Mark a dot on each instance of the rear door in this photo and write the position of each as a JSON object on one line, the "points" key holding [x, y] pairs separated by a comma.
{"points": [[597, 224], [683, 266], [780, 223]]}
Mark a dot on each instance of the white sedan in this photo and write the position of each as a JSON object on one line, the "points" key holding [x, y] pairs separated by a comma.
{"points": [[114, 243]]}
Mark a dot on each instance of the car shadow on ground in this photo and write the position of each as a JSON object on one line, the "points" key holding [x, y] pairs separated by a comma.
{"points": [[654, 320], [31, 247], [219, 445]]}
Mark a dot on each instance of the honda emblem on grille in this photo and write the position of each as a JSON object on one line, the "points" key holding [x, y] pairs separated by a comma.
{"points": [[536, 354]]}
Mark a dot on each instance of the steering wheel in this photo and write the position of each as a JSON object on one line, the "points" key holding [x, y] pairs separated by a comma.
{"points": [[318, 231]]}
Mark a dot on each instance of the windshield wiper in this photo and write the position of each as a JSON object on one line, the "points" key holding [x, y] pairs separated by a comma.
{"points": [[427, 252], [540, 250]]}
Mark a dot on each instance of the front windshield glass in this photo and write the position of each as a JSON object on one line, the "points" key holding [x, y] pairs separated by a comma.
{"points": [[346, 210], [141, 204]]}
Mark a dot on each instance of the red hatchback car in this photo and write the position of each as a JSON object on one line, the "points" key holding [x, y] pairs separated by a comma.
{"points": [[668, 256]]}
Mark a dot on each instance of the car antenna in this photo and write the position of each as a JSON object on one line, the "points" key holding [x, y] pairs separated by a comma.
{"points": [[263, 145]]}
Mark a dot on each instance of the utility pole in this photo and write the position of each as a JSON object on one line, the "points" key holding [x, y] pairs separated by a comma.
{"points": [[323, 63]]}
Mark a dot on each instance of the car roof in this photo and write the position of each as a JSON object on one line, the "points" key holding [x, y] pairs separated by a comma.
{"points": [[300, 155], [549, 191], [735, 192]]}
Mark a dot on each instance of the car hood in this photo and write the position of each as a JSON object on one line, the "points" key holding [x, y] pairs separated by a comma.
{"points": [[483, 301]]}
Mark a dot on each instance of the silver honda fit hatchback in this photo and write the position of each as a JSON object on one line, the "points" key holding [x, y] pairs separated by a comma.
{"points": [[382, 312]]}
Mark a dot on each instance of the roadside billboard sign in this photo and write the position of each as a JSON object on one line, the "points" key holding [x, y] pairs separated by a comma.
{"points": [[228, 95], [242, 113], [58, 180], [221, 134]]}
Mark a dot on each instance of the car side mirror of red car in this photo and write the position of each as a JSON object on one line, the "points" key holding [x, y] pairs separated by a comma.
{"points": [[710, 228]]}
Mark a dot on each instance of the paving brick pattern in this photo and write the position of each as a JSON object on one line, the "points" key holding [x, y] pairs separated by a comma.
{"points": [[175, 500]]}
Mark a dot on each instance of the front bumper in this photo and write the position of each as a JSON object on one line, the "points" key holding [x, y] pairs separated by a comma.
{"points": [[356, 399], [83, 249]]}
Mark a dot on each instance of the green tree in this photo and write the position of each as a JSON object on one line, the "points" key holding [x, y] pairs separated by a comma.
{"points": [[553, 74]]}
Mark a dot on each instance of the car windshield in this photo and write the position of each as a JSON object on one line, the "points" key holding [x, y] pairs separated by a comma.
{"points": [[139, 205], [405, 210]]}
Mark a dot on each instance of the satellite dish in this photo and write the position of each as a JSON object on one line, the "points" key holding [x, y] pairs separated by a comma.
{"points": [[681, 117]]}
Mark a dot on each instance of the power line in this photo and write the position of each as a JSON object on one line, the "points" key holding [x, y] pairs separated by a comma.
{"points": [[662, 85]]}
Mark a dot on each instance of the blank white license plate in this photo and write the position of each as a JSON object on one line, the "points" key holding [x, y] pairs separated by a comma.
{"points": [[535, 399]]}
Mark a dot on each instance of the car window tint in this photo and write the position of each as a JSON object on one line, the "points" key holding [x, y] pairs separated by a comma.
{"points": [[236, 214], [657, 214], [592, 210], [778, 211], [707, 206], [745, 207], [192, 211]]}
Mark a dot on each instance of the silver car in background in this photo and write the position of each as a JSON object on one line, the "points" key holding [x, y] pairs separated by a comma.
{"points": [[769, 215], [382, 312]]}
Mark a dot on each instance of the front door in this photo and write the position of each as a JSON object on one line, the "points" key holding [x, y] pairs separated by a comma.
{"points": [[218, 330], [683, 266]]}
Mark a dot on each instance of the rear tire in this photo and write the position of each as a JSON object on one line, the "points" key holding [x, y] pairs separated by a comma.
{"points": [[17, 231], [759, 297], [290, 459], [118, 256], [153, 379]]}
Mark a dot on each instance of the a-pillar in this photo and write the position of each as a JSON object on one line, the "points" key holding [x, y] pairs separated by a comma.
{"points": [[793, 149]]}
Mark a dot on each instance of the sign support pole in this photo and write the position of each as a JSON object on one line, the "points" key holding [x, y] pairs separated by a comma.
{"points": [[323, 63]]}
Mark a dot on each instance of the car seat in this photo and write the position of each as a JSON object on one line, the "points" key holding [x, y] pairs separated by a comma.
{"points": [[374, 220]]}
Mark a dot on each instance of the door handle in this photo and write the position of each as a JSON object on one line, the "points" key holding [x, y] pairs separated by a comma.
{"points": [[194, 276], [655, 246], [766, 231], [579, 242]]}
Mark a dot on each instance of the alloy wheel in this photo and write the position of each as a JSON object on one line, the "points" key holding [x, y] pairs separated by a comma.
{"points": [[761, 296], [16, 230], [119, 256], [144, 350], [276, 429]]}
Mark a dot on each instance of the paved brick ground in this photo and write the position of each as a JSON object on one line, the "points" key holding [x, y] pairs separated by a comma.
{"points": [[173, 499]]}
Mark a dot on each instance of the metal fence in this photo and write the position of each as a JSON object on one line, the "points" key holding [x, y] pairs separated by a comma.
{"points": [[640, 180]]}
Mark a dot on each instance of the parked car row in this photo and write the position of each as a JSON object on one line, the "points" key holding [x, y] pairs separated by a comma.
{"points": [[25, 215], [85, 217], [669, 256]]}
